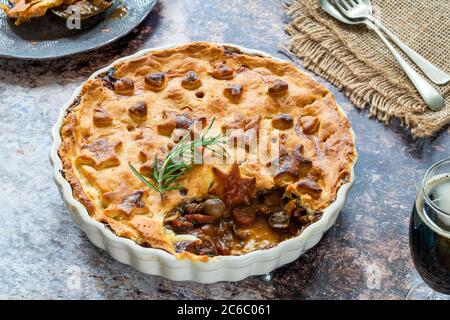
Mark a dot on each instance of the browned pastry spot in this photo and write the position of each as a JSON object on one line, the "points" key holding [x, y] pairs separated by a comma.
{"points": [[191, 81], [243, 122], [222, 71], [124, 201], [233, 91], [169, 124], [292, 165], [101, 117], [231, 187], [184, 121], [174, 120], [100, 154], [138, 110], [277, 87], [147, 168], [310, 187], [288, 168], [282, 121], [309, 124], [155, 81], [124, 86]]}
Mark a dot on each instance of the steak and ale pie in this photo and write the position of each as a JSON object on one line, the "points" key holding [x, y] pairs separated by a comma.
{"points": [[25, 10], [122, 139]]}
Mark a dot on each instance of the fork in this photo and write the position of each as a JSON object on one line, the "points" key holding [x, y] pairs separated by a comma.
{"points": [[355, 9], [361, 9]]}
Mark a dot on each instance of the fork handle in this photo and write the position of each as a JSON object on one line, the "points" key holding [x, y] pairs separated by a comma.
{"points": [[435, 74], [430, 95]]}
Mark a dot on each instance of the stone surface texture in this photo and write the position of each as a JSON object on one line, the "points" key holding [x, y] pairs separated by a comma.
{"points": [[364, 256]]}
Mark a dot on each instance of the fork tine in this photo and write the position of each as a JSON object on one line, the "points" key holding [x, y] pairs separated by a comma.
{"points": [[350, 3], [342, 4]]}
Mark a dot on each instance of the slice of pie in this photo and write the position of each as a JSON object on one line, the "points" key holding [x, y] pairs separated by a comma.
{"points": [[24, 10], [239, 201]]}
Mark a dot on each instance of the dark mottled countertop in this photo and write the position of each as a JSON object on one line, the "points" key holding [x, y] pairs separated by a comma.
{"points": [[365, 255]]}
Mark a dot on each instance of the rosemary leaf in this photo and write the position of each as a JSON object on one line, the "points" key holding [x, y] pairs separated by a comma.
{"points": [[179, 161], [142, 178]]}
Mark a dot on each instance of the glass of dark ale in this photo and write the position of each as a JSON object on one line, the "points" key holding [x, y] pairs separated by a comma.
{"points": [[429, 235]]}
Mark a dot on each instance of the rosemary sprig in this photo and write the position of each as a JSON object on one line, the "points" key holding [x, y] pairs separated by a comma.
{"points": [[178, 161]]}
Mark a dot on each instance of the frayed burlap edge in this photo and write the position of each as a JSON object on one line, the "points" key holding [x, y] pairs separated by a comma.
{"points": [[325, 52]]}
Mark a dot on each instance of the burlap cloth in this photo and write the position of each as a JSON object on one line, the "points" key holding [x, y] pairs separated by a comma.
{"points": [[355, 60]]}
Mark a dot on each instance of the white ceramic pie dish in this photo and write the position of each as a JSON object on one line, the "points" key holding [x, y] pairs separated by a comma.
{"points": [[161, 263]]}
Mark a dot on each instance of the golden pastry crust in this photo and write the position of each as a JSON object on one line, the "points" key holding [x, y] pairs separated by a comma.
{"points": [[131, 113], [24, 10]]}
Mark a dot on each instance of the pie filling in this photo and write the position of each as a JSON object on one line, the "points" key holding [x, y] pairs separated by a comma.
{"points": [[266, 220]]}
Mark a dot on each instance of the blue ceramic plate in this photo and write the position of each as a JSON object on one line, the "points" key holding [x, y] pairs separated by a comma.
{"points": [[48, 37]]}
